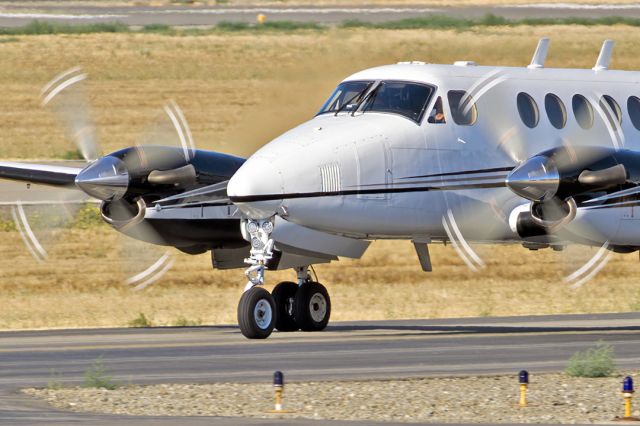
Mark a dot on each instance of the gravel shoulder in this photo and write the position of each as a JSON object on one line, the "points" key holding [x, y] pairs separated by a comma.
{"points": [[553, 398]]}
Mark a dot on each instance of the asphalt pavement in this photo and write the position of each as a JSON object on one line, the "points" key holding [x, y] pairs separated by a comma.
{"points": [[20, 13], [357, 350]]}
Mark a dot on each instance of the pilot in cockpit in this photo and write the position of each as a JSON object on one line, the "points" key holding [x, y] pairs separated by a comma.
{"points": [[437, 113]]}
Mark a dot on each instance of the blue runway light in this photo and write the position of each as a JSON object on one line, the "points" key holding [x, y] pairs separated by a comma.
{"points": [[523, 377], [627, 385], [278, 378]]}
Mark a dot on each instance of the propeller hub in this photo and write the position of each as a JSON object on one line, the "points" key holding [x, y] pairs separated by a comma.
{"points": [[537, 179], [106, 179]]}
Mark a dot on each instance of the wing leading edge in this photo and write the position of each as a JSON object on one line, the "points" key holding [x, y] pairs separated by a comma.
{"points": [[39, 173]]}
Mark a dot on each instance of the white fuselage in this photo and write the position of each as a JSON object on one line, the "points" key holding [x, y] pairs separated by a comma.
{"points": [[369, 174]]}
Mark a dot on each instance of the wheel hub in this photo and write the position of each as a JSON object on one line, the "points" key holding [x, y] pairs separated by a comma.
{"points": [[317, 307], [262, 314]]}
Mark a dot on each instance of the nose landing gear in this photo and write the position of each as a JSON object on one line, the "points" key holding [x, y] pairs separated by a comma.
{"points": [[304, 305]]}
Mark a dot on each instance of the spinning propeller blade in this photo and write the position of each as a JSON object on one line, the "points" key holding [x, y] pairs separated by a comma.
{"points": [[66, 97]]}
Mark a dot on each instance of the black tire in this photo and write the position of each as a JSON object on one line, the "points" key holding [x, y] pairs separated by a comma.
{"points": [[256, 313], [284, 295], [312, 307]]}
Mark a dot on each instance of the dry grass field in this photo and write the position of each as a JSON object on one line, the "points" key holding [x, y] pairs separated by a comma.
{"points": [[238, 90]]}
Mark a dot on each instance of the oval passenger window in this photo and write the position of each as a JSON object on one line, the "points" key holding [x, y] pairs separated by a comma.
{"points": [[611, 110], [528, 110], [463, 107], [583, 111], [556, 111], [633, 109]]}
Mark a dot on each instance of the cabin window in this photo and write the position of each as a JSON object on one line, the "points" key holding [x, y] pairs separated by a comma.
{"points": [[583, 111], [556, 111], [437, 113], [528, 110], [633, 109], [611, 110], [463, 107]]}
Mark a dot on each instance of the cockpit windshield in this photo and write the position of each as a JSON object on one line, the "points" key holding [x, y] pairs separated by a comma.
{"points": [[346, 96], [397, 97]]}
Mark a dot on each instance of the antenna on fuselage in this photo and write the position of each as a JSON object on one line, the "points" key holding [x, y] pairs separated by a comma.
{"points": [[604, 58], [541, 54]]}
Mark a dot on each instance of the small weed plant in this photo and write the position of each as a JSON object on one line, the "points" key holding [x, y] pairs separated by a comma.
{"points": [[96, 376], [54, 382], [185, 322], [140, 321], [593, 362]]}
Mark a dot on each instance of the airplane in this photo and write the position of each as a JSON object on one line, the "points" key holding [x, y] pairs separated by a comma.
{"points": [[429, 153]]}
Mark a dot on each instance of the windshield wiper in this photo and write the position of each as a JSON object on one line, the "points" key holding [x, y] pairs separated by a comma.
{"points": [[366, 98], [353, 98]]}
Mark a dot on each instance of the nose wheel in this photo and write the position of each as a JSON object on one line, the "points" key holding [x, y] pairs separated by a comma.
{"points": [[256, 313]]}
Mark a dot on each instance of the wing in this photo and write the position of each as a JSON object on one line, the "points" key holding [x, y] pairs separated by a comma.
{"points": [[39, 173]]}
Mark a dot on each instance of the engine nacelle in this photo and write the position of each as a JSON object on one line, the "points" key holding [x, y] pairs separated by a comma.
{"points": [[154, 171]]}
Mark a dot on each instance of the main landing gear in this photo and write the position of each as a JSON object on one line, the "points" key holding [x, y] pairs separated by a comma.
{"points": [[303, 305]]}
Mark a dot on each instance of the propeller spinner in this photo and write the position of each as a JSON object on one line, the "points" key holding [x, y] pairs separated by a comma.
{"points": [[106, 179]]}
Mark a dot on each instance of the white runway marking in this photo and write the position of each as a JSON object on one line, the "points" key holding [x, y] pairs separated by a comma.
{"points": [[308, 11], [576, 6], [56, 16]]}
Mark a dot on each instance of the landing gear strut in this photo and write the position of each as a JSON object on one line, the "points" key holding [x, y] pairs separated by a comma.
{"points": [[257, 308], [291, 306]]}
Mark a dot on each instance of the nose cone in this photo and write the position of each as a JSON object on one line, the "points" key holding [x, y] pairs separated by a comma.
{"points": [[257, 188], [106, 179], [537, 179]]}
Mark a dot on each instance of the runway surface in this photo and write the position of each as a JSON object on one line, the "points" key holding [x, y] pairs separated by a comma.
{"points": [[18, 14], [360, 350]]}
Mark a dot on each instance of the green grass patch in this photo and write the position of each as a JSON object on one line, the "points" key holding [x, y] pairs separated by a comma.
{"points": [[268, 26], [44, 218], [288, 26], [184, 322], [140, 321], [158, 29], [87, 217], [54, 382], [96, 376], [593, 362], [233, 26], [40, 27], [72, 154], [489, 20]]}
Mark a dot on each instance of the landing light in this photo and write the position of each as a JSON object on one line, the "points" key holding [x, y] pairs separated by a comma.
{"points": [[267, 227]]}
